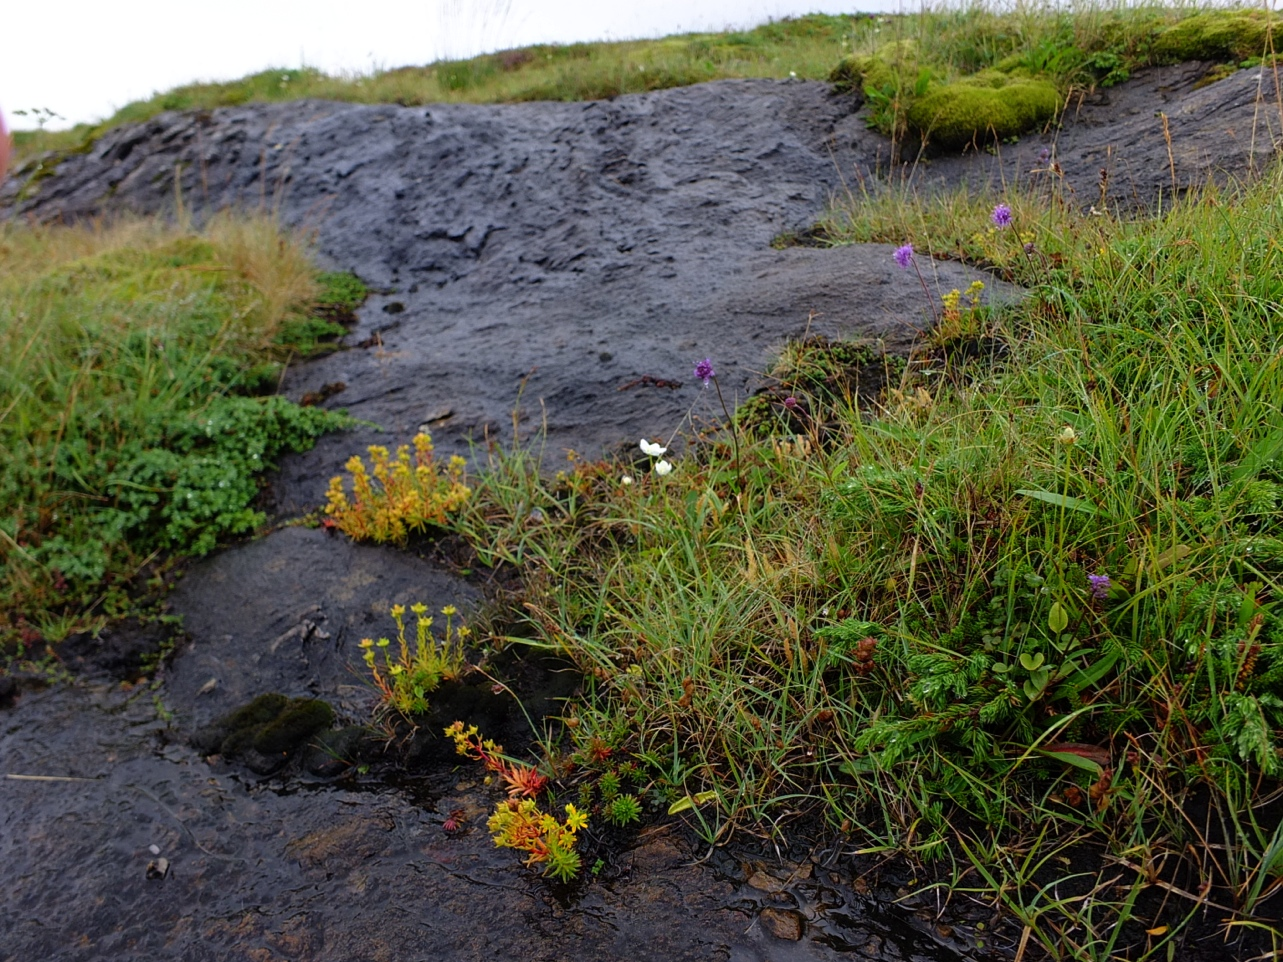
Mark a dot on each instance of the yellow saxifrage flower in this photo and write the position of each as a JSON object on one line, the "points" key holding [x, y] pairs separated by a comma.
{"points": [[401, 498]]}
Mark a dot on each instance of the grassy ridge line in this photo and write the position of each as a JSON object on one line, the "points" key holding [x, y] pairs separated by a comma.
{"points": [[1086, 43], [1018, 619], [131, 360]]}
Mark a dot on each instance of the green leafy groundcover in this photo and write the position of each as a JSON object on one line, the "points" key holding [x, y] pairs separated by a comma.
{"points": [[133, 363]]}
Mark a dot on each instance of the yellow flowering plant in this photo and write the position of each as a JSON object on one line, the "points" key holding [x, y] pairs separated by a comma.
{"points": [[962, 314], [395, 496], [520, 824], [405, 676]]}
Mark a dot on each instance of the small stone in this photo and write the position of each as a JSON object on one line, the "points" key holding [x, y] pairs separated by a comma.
{"points": [[157, 869], [782, 923], [154, 849], [765, 883]]}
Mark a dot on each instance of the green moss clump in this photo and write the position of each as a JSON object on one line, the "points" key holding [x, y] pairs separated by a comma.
{"points": [[341, 290], [1227, 35], [979, 108], [300, 720]]}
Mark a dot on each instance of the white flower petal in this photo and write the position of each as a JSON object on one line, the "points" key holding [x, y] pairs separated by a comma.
{"points": [[627, 479], [662, 468]]}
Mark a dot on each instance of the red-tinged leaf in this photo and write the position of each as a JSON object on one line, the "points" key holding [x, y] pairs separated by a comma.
{"points": [[1093, 753]]}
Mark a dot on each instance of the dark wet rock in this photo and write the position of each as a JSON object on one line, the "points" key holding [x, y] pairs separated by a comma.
{"points": [[331, 754], [328, 876], [124, 650], [287, 613], [559, 252], [522, 245]]}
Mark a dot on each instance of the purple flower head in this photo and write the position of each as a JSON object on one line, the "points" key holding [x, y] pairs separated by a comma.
{"points": [[904, 256], [790, 402], [1001, 216], [1099, 586], [1029, 248], [1044, 155], [704, 371]]}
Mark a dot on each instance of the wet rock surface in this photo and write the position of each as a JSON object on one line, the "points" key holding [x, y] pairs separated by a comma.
{"points": [[546, 259], [574, 256]]}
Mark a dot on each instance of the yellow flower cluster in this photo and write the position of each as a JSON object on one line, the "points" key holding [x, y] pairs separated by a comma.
{"points": [[548, 842], [407, 676], [959, 319], [400, 497]]}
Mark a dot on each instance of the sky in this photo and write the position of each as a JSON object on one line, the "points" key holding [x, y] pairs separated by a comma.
{"points": [[82, 59]]}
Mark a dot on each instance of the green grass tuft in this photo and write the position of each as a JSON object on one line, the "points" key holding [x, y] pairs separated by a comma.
{"points": [[890, 611]]}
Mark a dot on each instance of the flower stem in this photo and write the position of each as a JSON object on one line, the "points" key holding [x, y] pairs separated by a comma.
{"points": [[735, 443]]}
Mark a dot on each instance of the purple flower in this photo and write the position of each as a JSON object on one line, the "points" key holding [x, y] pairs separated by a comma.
{"points": [[790, 402], [1001, 216], [1044, 155], [704, 371], [1099, 586], [904, 256]]}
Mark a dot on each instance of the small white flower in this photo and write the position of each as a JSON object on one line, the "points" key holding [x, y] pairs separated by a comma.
{"points": [[1067, 436], [662, 468], [793, 74], [626, 479], [653, 449]]}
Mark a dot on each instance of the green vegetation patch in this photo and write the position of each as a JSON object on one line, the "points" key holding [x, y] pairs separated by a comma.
{"points": [[1033, 610], [983, 108], [1215, 35], [130, 357]]}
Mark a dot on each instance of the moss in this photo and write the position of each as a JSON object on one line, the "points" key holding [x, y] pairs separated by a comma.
{"points": [[848, 75], [1221, 35], [974, 110], [341, 289], [300, 720]]}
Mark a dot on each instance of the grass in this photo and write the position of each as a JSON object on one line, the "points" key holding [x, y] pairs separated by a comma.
{"points": [[1081, 45], [134, 360], [889, 610]]}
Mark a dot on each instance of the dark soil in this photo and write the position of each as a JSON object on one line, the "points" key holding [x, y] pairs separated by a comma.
{"points": [[569, 262]]}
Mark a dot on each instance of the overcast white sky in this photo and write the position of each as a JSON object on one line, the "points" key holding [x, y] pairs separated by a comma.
{"points": [[84, 58]]}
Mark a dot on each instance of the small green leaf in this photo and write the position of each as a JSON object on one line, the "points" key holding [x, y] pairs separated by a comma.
{"points": [[1069, 758], [686, 803], [1063, 501], [1171, 555], [1032, 691], [1001, 668], [1031, 662], [1058, 618]]}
